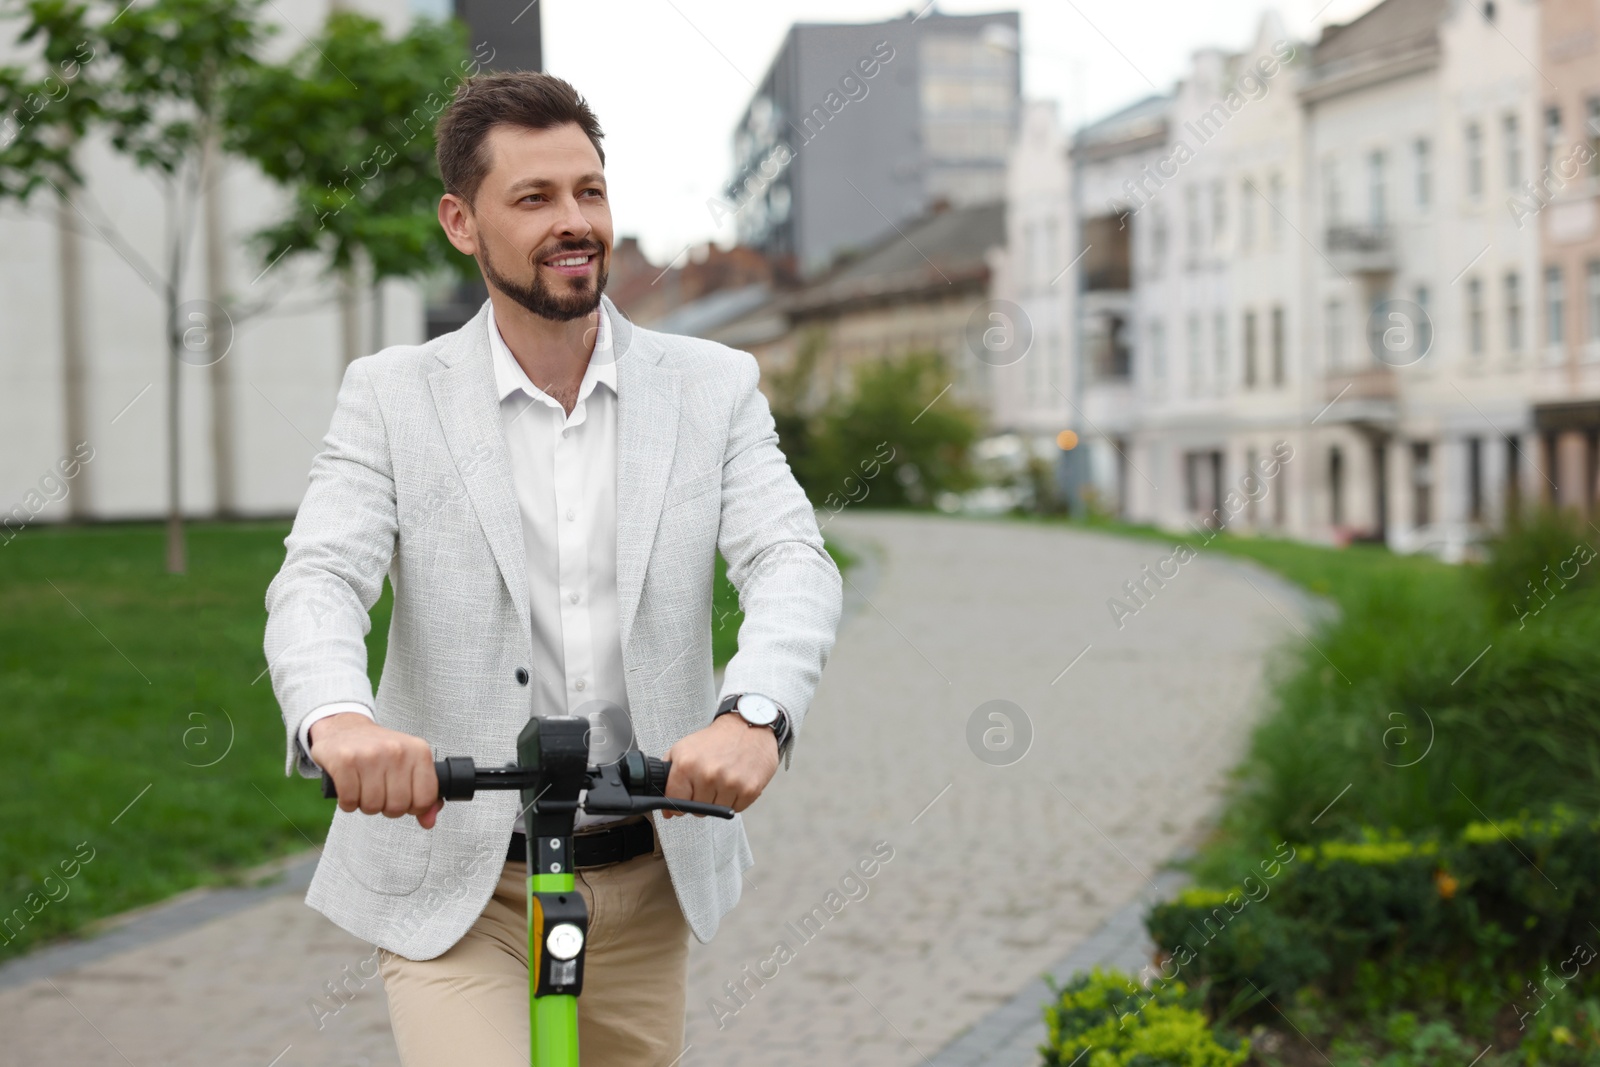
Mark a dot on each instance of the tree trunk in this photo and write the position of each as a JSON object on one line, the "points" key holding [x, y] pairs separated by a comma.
{"points": [[73, 352], [377, 315], [222, 451], [177, 556], [350, 313]]}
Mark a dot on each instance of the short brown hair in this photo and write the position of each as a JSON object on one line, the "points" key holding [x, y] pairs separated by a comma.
{"points": [[523, 98]]}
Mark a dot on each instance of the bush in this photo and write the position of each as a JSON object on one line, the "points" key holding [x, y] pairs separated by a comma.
{"points": [[1389, 920], [1120, 1024], [1420, 711], [881, 440], [1538, 560]]}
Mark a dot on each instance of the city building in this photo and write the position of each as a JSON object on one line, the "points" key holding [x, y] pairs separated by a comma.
{"points": [[916, 289], [858, 127], [1345, 290], [1559, 199]]}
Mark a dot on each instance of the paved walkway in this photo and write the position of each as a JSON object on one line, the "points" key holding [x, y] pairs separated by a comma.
{"points": [[997, 871]]}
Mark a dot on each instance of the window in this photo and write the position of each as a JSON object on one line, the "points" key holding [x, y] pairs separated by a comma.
{"points": [[1552, 134], [1424, 335], [1247, 214], [1196, 357], [1334, 323], [1421, 483], [1191, 199], [1376, 193], [1474, 150], [1249, 349], [1219, 212], [1555, 308], [1475, 479], [1422, 157], [1592, 292], [1512, 133], [1513, 475], [1594, 134], [1475, 316], [1277, 346], [1513, 313], [1275, 210], [1219, 350], [1330, 191], [1158, 354], [1158, 238], [1335, 486]]}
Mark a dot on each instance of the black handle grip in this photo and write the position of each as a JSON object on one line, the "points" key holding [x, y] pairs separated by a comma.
{"points": [[457, 779]]}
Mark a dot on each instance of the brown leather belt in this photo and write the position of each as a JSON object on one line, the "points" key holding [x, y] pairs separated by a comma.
{"points": [[596, 848]]}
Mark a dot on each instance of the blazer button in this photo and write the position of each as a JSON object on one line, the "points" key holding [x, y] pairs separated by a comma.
{"points": [[522, 676]]}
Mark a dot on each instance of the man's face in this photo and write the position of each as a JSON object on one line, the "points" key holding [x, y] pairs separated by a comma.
{"points": [[539, 224]]}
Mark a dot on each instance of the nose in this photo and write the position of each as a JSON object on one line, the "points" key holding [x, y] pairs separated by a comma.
{"points": [[572, 225]]}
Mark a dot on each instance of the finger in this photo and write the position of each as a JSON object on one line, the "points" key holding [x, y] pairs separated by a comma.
{"points": [[397, 791], [680, 784], [424, 787], [429, 817], [372, 791]]}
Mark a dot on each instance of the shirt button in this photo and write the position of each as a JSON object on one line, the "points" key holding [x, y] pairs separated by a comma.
{"points": [[571, 514], [580, 686], [573, 598], [567, 432]]}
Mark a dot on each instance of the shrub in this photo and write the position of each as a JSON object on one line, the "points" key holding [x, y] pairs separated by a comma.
{"points": [[1387, 919], [882, 440], [1542, 557], [1120, 1024]]}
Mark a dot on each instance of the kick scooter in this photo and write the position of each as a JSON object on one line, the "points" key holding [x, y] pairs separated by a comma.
{"points": [[552, 770]]}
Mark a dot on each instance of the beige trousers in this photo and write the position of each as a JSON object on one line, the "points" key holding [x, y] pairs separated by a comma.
{"points": [[469, 1006]]}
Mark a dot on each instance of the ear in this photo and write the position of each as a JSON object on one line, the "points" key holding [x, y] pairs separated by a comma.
{"points": [[460, 227]]}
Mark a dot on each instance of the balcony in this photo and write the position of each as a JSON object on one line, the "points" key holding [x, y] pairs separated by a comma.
{"points": [[1362, 249], [1366, 397]]}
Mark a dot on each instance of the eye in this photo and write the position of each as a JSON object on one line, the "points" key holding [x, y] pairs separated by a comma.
{"points": [[532, 196], [593, 192]]}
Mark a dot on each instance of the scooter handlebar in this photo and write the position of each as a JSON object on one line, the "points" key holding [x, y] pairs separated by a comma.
{"points": [[460, 779]]}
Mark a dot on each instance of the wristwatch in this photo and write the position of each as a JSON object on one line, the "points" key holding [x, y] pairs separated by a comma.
{"points": [[756, 710]]}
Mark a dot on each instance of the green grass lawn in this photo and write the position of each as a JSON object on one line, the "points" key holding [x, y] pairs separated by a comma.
{"points": [[138, 720]]}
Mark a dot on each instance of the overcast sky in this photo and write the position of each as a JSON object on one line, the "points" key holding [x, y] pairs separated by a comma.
{"points": [[669, 78]]}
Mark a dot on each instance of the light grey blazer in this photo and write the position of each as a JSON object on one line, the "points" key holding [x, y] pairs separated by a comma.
{"points": [[414, 482]]}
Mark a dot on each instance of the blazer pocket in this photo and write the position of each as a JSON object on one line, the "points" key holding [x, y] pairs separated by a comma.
{"points": [[388, 856], [694, 486]]}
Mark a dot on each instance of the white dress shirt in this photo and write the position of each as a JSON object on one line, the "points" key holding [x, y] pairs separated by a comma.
{"points": [[564, 468]]}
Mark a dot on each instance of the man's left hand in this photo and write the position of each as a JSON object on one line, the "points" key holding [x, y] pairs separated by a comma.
{"points": [[729, 762]]}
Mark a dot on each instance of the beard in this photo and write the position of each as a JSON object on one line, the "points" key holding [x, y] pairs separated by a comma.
{"points": [[558, 304]]}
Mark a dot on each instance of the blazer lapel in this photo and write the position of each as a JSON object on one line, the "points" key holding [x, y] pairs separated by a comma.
{"points": [[647, 438], [469, 412]]}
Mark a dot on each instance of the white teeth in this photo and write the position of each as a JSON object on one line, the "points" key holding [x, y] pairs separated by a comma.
{"points": [[570, 261]]}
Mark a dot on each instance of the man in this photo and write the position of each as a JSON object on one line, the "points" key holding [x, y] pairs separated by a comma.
{"points": [[546, 490]]}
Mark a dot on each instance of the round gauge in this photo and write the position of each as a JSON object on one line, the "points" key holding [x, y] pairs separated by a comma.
{"points": [[564, 941]]}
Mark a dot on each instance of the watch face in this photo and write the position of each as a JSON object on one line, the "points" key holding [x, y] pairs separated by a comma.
{"points": [[757, 709]]}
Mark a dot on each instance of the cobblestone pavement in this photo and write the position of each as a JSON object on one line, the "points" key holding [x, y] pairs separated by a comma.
{"points": [[994, 872]]}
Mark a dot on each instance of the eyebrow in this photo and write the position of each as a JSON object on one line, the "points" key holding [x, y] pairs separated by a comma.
{"points": [[592, 178]]}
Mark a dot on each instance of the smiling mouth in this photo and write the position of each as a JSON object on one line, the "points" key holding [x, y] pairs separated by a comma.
{"points": [[571, 262]]}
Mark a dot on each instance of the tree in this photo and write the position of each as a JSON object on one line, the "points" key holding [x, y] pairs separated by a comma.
{"points": [[157, 82], [893, 438], [45, 107], [346, 126]]}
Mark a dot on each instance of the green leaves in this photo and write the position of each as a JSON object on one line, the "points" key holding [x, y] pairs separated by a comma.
{"points": [[346, 126]]}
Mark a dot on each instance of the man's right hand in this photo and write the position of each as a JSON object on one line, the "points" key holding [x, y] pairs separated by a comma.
{"points": [[377, 769]]}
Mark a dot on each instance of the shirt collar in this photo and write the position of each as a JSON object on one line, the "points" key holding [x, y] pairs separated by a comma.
{"points": [[509, 377]]}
